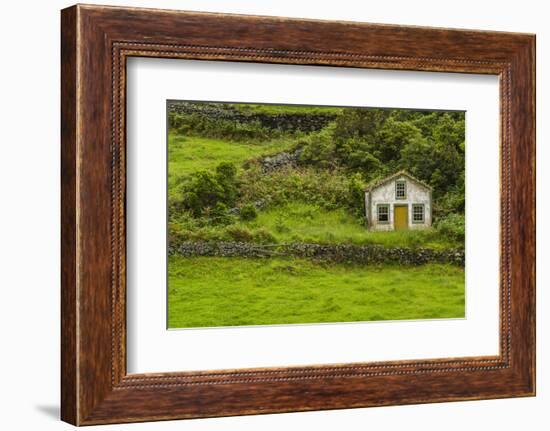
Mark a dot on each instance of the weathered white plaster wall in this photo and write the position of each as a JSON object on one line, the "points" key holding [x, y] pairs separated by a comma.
{"points": [[385, 194]]}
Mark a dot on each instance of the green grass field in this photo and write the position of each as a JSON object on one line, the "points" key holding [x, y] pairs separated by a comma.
{"points": [[209, 292], [191, 154]]}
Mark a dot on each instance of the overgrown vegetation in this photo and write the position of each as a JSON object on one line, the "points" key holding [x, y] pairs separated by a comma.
{"points": [[375, 143], [310, 223], [196, 124]]}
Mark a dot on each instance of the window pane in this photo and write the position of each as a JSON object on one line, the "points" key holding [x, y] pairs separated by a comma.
{"points": [[383, 213], [418, 213], [400, 189]]}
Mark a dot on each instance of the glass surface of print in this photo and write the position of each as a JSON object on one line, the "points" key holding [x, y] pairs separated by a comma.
{"points": [[289, 214]]}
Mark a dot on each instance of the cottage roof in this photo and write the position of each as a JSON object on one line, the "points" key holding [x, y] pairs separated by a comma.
{"points": [[394, 176]]}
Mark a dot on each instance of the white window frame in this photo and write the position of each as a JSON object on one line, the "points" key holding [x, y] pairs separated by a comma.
{"points": [[423, 206], [397, 197], [387, 206]]}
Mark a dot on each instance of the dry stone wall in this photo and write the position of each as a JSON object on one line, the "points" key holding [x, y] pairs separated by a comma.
{"points": [[340, 253], [287, 122]]}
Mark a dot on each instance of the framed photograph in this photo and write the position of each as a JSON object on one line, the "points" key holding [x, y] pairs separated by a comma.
{"points": [[264, 214]]}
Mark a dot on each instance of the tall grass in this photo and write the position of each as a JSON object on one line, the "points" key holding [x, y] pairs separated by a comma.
{"points": [[299, 222], [309, 223]]}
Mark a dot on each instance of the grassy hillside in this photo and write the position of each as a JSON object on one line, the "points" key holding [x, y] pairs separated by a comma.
{"points": [[206, 292], [191, 154]]}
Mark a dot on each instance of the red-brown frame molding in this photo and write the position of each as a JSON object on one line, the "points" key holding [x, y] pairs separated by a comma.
{"points": [[95, 43]]}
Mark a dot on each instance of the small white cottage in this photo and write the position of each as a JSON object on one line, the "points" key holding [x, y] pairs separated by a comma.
{"points": [[398, 202]]}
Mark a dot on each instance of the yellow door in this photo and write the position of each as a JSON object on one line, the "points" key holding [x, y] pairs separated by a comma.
{"points": [[400, 218]]}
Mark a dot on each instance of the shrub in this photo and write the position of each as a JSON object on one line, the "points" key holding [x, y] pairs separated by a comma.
{"points": [[239, 234], [226, 176], [248, 212], [280, 225], [176, 236], [452, 227], [203, 192], [453, 201], [328, 189], [263, 236], [210, 193], [356, 192], [220, 214], [318, 148]]}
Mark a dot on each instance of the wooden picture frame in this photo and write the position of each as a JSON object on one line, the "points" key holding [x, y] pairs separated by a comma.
{"points": [[95, 43]]}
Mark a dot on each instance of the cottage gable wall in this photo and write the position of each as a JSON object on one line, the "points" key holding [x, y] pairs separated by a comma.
{"points": [[384, 194]]}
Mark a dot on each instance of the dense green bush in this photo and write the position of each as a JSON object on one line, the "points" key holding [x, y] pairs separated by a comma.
{"points": [[356, 193], [220, 215], [226, 176], [248, 212], [452, 227], [239, 234], [209, 194], [454, 201], [318, 148], [263, 236], [202, 193], [379, 142]]}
